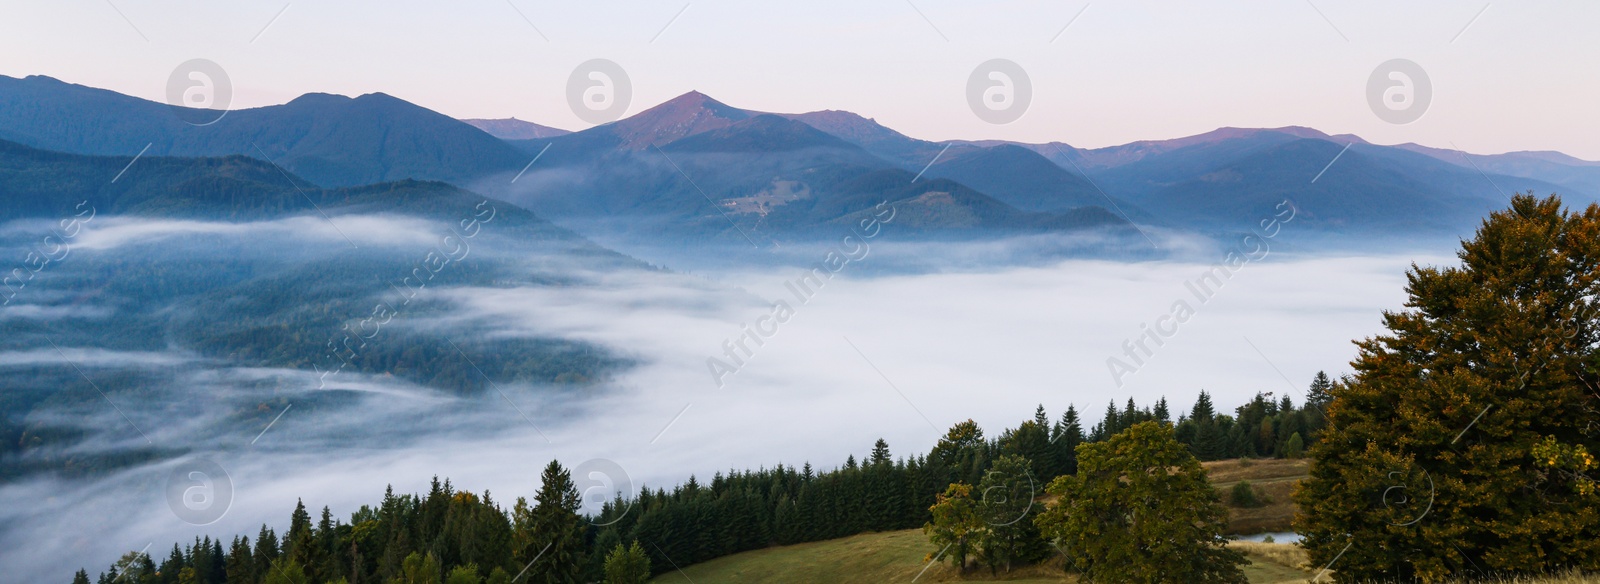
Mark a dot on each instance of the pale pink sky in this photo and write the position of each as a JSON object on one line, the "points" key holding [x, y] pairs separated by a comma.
{"points": [[1505, 76]]}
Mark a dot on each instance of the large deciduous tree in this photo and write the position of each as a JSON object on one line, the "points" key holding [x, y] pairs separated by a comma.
{"points": [[1467, 429], [1006, 503], [1140, 510], [956, 526]]}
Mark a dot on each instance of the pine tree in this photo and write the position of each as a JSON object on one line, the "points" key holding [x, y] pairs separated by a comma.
{"points": [[1466, 429], [1161, 413]]}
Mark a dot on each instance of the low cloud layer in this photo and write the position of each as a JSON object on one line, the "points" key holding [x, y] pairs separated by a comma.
{"points": [[863, 356], [113, 232]]}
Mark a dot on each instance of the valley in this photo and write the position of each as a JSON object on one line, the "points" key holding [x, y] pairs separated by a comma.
{"points": [[368, 330]]}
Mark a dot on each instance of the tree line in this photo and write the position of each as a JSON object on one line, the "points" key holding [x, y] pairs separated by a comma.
{"points": [[458, 537]]}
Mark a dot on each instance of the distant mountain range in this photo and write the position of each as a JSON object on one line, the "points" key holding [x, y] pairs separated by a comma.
{"points": [[694, 165], [330, 140], [515, 129]]}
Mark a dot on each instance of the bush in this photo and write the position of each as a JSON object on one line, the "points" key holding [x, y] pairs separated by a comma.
{"points": [[1244, 495], [1296, 446], [627, 565], [463, 574]]}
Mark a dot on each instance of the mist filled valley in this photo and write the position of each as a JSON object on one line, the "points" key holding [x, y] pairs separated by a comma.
{"points": [[1154, 304], [518, 351]]}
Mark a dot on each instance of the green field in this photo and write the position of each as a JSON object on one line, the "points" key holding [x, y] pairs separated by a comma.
{"points": [[894, 556], [901, 556]]}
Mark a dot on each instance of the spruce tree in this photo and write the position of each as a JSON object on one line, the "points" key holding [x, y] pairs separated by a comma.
{"points": [[1068, 435], [173, 566], [880, 453], [325, 544], [1210, 441], [554, 542], [1320, 393], [1203, 410], [298, 544], [266, 550]]}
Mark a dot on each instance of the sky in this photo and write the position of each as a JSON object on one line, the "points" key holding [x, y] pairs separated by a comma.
{"points": [[1504, 76]]}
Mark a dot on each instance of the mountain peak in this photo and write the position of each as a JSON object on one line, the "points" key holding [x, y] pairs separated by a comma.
{"points": [[685, 115], [318, 99], [692, 94]]}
